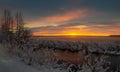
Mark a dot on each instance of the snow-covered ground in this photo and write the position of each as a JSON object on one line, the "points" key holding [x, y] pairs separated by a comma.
{"points": [[36, 56], [14, 64]]}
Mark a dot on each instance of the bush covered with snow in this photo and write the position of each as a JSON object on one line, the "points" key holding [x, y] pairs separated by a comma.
{"points": [[39, 52]]}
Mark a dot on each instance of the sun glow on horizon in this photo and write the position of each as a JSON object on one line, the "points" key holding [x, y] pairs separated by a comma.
{"points": [[69, 33], [72, 33]]}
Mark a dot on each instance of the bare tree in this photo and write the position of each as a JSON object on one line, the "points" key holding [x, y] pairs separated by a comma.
{"points": [[6, 25], [22, 34], [20, 24], [13, 29]]}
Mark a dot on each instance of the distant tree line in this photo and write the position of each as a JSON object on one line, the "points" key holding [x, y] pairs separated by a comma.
{"points": [[12, 28]]}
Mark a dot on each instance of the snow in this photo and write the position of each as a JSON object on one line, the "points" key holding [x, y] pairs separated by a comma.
{"points": [[14, 64], [35, 56], [10, 64], [112, 47]]}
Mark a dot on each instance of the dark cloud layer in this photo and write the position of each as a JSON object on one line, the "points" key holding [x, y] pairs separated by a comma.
{"points": [[48, 7]]}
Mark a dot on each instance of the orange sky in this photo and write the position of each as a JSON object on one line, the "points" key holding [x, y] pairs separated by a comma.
{"points": [[67, 17], [72, 31], [67, 24]]}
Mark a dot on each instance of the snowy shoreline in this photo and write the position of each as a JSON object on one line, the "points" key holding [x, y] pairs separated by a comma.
{"points": [[37, 52]]}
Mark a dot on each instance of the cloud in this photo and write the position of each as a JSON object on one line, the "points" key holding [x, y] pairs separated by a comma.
{"points": [[85, 26], [79, 28], [61, 27], [71, 15]]}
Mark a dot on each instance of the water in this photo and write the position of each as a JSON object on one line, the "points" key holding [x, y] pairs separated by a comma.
{"points": [[72, 57], [77, 38], [67, 56], [115, 62]]}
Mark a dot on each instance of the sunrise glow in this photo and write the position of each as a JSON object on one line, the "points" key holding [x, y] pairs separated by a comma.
{"points": [[70, 17], [68, 34]]}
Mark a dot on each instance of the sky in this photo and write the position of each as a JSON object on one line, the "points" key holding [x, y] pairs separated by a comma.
{"points": [[68, 17]]}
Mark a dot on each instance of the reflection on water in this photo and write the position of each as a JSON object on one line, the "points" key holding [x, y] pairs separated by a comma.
{"points": [[115, 62], [67, 56], [79, 58]]}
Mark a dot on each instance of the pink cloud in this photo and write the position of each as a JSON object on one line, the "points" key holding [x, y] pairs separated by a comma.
{"points": [[71, 15]]}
